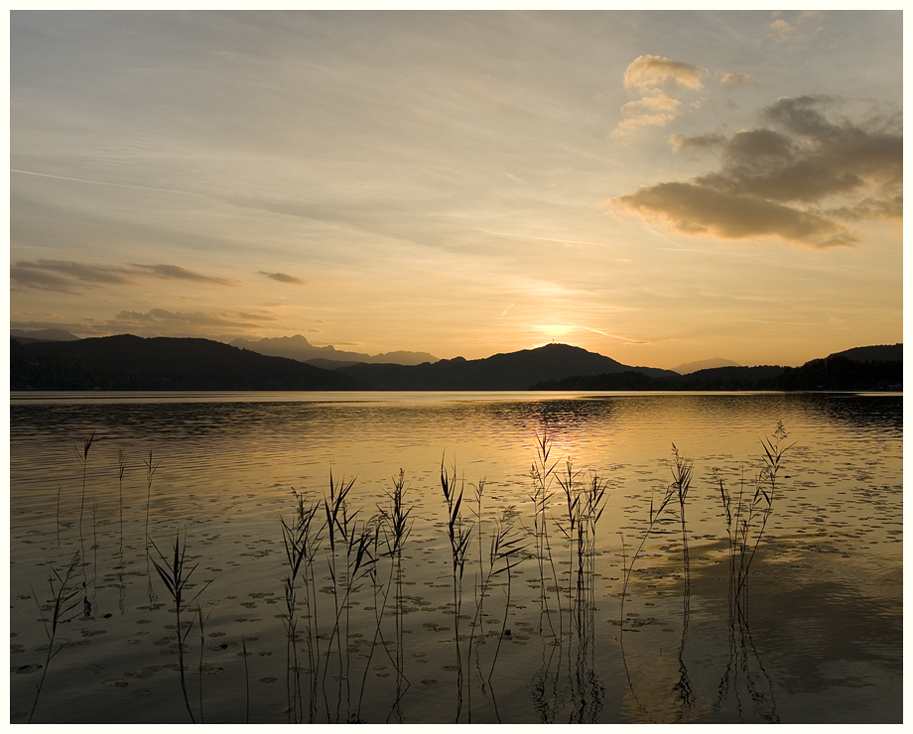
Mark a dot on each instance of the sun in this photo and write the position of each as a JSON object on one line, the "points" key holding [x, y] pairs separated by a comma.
{"points": [[555, 332]]}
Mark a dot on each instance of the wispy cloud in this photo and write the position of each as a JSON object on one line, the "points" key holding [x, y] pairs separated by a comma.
{"points": [[94, 182], [68, 275], [783, 29], [650, 76], [799, 179], [283, 278], [161, 322], [71, 276], [730, 79], [175, 272], [25, 275], [184, 323], [648, 71]]}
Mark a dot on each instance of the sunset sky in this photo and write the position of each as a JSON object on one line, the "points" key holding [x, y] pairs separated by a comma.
{"points": [[659, 187]]}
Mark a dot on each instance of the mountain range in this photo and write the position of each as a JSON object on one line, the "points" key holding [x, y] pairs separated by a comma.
{"points": [[129, 362], [704, 364], [297, 347]]}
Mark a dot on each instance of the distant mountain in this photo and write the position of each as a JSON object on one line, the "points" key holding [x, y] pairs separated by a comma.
{"points": [[704, 364], [861, 368], [129, 362], [297, 347], [853, 370], [512, 371], [41, 335], [878, 353]]}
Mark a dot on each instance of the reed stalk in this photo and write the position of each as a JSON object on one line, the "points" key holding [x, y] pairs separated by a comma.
{"points": [[301, 542], [459, 534], [506, 550], [63, 601], [175, 575], [151, 467], [83, 458], [541, 473], [656, 511], [245, 654]]}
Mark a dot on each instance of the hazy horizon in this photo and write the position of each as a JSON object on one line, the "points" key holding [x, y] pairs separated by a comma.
{"points": [[660, 187]]}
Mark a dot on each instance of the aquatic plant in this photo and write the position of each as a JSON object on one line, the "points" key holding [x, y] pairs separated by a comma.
{"points": [[585, 503], [151, 467], [748, 511], [541, 472], [657, 508], [395, 525], [459, 534], [300, 547], [506, 550], [175, 575], [63, 601], [83, 458]]}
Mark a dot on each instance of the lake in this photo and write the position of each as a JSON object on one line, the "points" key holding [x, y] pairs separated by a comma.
{"points": [[676, 571]]}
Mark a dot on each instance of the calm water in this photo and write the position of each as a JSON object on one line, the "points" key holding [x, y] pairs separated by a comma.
{"points": [[818, 638]]}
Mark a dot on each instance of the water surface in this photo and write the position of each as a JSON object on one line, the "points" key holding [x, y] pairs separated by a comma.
{"points": [[817, 639]]}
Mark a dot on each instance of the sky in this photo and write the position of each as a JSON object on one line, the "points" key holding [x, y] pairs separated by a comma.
{"points": [[660, 187]]}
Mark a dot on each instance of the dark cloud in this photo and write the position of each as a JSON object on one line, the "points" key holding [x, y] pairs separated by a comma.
{"points": [[174, 272], [163, 317], [56, 274], [69, 276], [699, 142], [694, 208], [283, 278], [161, 322], [30, 277], [800, 178]]}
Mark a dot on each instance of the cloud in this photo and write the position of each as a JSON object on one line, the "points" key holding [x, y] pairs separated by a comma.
{"points": [[158, 315], [175, 272], [649, 76], [782, 30], [162, 322], [177, 323], [695, 208], [54, 274], [700, 142], [70, 276], [283, 278], [800, 179], [647, 72], [25, 275], [737, 80]]}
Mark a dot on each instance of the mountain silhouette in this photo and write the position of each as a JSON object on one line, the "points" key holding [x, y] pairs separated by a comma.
{"points": [[511, 371], [128, 362], [860, 368], [704, 364], [298, 347], [43, 335]]}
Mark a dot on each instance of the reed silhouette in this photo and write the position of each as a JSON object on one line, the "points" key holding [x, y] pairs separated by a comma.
{"points": [[458, 533], [300, 546], [64, 599], [175, 574], [747, 511]]}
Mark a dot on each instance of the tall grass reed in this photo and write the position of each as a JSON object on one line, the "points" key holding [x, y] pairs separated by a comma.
{"points": [[64, 599], [175, 574]]}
